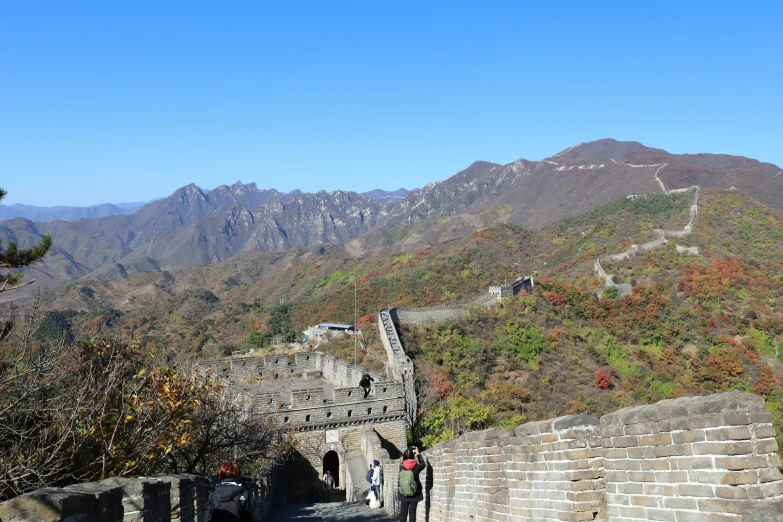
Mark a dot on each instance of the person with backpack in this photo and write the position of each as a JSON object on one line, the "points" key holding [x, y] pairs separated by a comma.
{"points": [[369, 475], [409, 486], [230, 500]]}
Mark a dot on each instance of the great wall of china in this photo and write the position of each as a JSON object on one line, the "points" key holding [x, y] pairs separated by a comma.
{"points": [[692, 459], [624, 289]]}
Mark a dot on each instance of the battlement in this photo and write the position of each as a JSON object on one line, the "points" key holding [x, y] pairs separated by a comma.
{"points": [[311, 390]]}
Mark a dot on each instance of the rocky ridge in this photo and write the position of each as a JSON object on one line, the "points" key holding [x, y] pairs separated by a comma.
{"points": [[195, 226]]}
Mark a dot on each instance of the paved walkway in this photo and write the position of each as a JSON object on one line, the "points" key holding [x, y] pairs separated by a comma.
{"points": [[334, 511]]}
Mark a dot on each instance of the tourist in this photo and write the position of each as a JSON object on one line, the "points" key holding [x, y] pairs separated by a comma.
{"points": [[377, 478], [230, 500], [409, 486], [365, 383], [328, 482]]}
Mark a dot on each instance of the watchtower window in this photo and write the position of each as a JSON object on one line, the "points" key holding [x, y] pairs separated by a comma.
{"points": [[385, 408], [270, 401], [384, 390], [350, 412], [350, 393], [307, 418], [308, 398], [276, 360], [285, 419], [369, 411], [328, 414]]}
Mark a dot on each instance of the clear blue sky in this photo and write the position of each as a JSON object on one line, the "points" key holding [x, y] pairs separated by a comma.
{"points": [[126, 101]]}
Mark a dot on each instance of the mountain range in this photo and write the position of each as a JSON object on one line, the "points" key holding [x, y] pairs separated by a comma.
{"points": [[193, 226], [65, 213]]}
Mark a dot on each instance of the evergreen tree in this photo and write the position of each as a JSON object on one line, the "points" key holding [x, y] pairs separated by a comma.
{"points": [[12, 259]]}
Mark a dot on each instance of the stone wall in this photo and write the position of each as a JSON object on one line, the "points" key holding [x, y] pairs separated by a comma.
{"points": [[708, 457], [399, 365], [694, 459], [162, 498]]}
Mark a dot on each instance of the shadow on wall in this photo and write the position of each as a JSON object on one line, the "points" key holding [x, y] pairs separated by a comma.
{"points": [[394, 452], [295, 479], [429, 481]]}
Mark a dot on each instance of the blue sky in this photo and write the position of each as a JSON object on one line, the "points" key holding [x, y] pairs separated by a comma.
{"points": [[126, 101]]}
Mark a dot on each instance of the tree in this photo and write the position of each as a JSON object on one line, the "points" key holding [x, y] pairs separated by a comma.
{"points": [[12, 259], [95, 406], [602, 380], [226, 428]]}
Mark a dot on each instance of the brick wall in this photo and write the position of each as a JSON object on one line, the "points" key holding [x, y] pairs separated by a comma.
{"points": [[694, 459], [399, 365], [163, 498]]}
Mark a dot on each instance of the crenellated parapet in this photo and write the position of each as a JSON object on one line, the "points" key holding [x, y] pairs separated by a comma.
{"points": [[311, 390]]}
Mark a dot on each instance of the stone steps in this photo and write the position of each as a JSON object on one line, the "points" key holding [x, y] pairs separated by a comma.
{"points": [[357, 467]]}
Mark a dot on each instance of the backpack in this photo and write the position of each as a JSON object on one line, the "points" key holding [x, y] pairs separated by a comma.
{"points": [[407, 483], [235, 508], [369, 476]]}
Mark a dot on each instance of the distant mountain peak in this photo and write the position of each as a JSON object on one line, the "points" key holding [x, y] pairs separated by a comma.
{"points": [[386, 196], [608, 148]]}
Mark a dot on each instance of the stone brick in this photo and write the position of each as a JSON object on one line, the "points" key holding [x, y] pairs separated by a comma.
{"points": [[720, 505], [731, 433]]}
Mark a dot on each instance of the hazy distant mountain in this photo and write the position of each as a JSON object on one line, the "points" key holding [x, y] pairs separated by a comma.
{"points": [[193, 226], [64, 213], [385, 196]]}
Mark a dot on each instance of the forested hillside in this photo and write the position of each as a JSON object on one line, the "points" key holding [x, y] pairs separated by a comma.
{"points": [[694, 324]]}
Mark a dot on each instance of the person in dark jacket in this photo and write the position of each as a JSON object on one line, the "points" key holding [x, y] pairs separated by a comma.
{"points": [[365, 383], [411, 460], [229, 500]]}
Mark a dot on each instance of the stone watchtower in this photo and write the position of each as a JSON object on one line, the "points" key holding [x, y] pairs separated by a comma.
{"points": [[319, 395]]}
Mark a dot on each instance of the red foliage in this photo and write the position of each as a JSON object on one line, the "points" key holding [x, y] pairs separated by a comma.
{"points": [[440, 379], [709, 281], [556, 299], [602, 380], [766, 381], [721, 366]]}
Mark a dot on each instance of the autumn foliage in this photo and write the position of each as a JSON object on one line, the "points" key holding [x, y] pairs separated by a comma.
{"points": [[602, 379]]}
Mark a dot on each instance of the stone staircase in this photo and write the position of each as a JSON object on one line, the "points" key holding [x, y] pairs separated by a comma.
{"points": [[356, 484]]}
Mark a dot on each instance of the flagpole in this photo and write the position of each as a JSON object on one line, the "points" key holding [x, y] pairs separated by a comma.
{"points": [[355, 331]]}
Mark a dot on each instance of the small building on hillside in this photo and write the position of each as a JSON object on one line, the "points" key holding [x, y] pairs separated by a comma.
{"points": [[314, 333]]}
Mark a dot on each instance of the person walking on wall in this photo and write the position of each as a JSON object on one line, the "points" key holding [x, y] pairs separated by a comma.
{"points": [[377, 478], [365, 383], [409, 490], [230, 500]]}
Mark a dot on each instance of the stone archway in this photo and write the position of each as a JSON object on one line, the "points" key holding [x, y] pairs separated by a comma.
{"points": [[331, 463], [338, 449]]}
